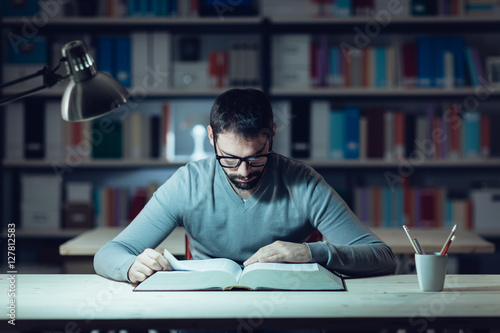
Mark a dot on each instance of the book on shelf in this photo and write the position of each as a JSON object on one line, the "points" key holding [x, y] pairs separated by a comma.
{"points": [[226, 274], [300, 130], [320, 113], [41, 199], [14, 131], [486, 203], [34, 130], [291, 60], [151, 61], [78, 207]]}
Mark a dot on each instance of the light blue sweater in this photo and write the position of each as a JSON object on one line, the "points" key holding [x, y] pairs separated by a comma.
{"points": [[292, 201]]}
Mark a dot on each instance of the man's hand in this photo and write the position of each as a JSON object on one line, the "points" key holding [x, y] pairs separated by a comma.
{"points": [[146, 264], [280, 251]]}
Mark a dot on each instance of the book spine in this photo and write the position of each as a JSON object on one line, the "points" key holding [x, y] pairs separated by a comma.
{"points": [[34, 131], [337, 136], [320, 129], [351, 147], [14, 131], [123, 60], [300, 130]]}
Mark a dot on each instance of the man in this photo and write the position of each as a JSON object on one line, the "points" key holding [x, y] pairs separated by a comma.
{"points": [[248, 204]]}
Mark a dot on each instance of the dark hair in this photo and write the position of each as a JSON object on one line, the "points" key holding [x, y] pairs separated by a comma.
{"points": [[246, 112]]}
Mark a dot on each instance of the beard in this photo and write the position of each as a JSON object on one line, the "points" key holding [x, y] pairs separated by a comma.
{"points": [[234, 179]]}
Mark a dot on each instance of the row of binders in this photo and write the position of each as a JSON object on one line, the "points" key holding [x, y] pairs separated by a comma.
{"points": [[302, 60], [150, 62], [266, 8], [175, 131], [419, 207], [374, 8], [156, 61], [104, 8], [118, 206], [394, 135], [153, 131], [48, 205]]}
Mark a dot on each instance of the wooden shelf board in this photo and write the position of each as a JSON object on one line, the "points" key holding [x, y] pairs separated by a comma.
{"points": [[144, 21], [111, 163], [360, 163], [393, 92], [393, 20], [62, 233], [209, 92], [251, 20]]}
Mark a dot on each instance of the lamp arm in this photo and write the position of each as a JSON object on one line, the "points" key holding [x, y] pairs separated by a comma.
{"points": [[50, 78]]}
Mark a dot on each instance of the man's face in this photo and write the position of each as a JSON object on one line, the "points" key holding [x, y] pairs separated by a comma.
{"points": [[243, 177]]}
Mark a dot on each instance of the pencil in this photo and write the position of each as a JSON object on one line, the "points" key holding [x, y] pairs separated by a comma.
{"points": [[411, 240], [448, 240], [419, 248], [447, 246]]}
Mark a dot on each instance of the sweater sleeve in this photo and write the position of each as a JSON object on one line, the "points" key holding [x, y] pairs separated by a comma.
{"points": [[349, 248], [151, 226]]}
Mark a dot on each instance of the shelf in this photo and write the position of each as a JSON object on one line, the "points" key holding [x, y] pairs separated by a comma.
{"points": [[370, 92], [171, 93], [447, 20], [48, 234], [372, 163], [377, 163], [249, 20], [105, 163], [140, 21]]}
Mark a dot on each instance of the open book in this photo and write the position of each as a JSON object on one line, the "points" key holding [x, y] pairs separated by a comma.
{"points": [[226, 274]]}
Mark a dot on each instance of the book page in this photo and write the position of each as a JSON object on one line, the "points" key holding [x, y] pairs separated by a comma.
{"points": [[308, 276], [280, 266], [218, 264], [187, 280]]}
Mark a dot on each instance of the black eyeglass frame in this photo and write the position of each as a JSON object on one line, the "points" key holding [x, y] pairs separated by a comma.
{"points": [[243, 159]]}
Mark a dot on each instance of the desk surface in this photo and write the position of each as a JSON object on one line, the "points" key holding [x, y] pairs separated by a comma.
{"points": [[90, 301], [431, 240]]}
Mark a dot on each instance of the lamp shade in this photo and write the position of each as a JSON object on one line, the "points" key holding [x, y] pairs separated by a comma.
{"points": [[90, 94]]}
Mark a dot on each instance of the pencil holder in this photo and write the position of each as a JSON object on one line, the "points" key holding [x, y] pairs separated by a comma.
{"points": [[431, 271]]}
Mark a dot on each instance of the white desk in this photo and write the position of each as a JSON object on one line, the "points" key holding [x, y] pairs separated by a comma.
{"points": [[71, 302]]}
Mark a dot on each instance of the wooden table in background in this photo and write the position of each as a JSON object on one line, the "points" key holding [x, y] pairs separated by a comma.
{"points": [[79, 251]]}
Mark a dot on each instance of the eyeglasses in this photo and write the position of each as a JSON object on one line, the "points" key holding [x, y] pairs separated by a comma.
{"points": [[232, 162]]}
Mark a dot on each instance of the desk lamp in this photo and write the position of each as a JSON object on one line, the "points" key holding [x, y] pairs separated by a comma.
{"points": [[90, 94]]}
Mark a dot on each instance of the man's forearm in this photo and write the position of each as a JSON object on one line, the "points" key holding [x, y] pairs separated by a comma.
{"points": [[354, 260]]}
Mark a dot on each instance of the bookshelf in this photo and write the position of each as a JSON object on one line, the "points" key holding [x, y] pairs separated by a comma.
{"points": [[344, 175]]}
